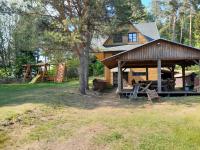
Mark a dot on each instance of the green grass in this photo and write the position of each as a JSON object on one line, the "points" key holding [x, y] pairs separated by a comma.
{"points": [[3, 138], [49, 114]]}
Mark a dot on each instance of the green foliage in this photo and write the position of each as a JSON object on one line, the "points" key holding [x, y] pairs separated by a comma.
{"points": [[72, 68], [173, 20], [52, 70], [4, 73], [23, 57], [96, 68], [25, 39], [197, 30], [25, 34]]}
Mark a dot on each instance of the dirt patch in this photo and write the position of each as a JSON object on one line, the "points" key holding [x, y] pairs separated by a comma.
{"points": [[82, 140]]}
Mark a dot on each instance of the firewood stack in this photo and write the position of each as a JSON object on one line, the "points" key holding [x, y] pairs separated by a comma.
{"points": [[60, 73]]}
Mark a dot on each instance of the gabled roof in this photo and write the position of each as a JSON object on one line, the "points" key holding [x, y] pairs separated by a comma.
{"points": [[149, 30], [155, 53], [97, 45]]}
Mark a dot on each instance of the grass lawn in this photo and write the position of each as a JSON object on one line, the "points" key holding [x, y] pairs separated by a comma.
{"points": [[54, 116]]}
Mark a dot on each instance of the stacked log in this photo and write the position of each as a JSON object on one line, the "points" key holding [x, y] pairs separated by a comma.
{"points": [[60, 73], [99, 85]]}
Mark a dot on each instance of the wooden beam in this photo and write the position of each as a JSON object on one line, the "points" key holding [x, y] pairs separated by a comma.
{"points": [[183, 77], [196, 62], [147, 73], [159, 76], [124, 69], [123, 64], [119, 77]]}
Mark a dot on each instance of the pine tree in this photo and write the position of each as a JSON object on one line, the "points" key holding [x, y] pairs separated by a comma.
{"points": [[197, 30]]}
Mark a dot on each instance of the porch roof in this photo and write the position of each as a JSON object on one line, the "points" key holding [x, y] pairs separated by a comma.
{"points": [[146, 55]]}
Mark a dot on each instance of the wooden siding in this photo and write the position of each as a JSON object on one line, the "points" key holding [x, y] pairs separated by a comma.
{"points": [[128, 28], [107, 71], [100, 56], [161, 50], [152, 74], [108, 75]]}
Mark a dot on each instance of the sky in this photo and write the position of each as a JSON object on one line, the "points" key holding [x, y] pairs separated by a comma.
{"points": [[146, 2]]}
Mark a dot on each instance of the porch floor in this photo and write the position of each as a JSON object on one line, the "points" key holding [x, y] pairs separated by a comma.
{"points": [[128, 92]]}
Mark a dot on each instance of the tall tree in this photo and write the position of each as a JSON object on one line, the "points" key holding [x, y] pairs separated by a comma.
{"points": [[197, 30], [24, 43], [75, 22], [174, 4], [80, 20]]}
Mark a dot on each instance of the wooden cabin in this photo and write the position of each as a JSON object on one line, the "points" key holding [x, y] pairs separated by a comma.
{"points": [[128, 37], [137, 53]]}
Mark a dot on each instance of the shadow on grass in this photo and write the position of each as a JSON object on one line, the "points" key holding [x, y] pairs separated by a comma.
{"points": [[184, 100], [66, 95]]}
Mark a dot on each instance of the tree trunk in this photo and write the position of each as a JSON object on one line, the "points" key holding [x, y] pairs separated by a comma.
{"points": [[190, 33], [174, 28], [87, 51], [87, 68], [182, 26], [82, 70]]}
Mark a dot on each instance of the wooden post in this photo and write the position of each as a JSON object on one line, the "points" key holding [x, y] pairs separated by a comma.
{"points": [[183, 77], [147, 74], [172, 72], [122, 77], [173, 68], [159, 76], [199, 73], [119, 77]]}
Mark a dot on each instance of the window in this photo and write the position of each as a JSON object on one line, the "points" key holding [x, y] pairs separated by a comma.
{"points": [[117, 38], [132, 37], [138, 73]]}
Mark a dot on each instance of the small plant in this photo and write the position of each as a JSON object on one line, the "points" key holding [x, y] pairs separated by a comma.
{"points": [[3, 138], [109, 137]]}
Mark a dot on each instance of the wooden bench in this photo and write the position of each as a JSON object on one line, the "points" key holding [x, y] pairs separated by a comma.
{"points": [[152, 94]]}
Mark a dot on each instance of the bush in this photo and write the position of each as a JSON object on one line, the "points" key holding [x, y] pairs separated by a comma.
{"points": [[96, 68], [5, 73], [24, 57], [72, 68]]}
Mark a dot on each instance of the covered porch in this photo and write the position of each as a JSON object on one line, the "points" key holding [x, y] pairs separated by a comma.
{"points": [[157, 54]]}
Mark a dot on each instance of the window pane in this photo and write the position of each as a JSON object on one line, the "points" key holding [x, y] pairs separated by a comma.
{"points": [[138, 73], [117, 38], [132, 37]]}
